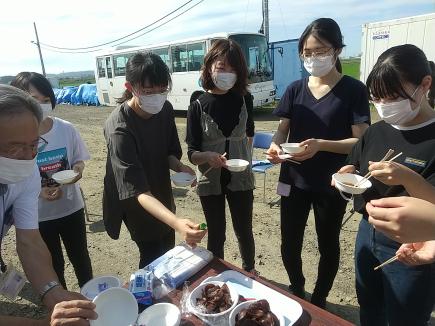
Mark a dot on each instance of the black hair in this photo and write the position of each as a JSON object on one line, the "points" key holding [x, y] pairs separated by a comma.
{"points": [[24, 79], [399, 64], [144, 68], [324, 29], [232, 52]]}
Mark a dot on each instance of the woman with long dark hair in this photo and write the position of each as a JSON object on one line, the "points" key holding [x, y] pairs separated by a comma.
{"points": [[402, 89], [143, 145], [325, 113]]}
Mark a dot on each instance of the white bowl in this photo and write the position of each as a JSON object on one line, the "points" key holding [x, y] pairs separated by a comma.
{"points": [[99, 284], [344, 182], [292, 148], [211, 319], [160, 314], [246, 304], [237, 165], [65, 176], [183, 179], [115, 307]]}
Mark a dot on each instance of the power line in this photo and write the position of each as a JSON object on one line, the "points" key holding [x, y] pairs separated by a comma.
{"points": [[118, 39], [183, 12], [96, 50], [70, 52]]}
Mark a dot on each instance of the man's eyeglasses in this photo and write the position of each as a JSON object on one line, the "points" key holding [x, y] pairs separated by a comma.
{"points": [[19, 150]]}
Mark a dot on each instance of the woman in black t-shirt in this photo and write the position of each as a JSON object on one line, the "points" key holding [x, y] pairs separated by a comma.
{"points": [[218, 122], [326, 113], [142, 146], [397, 294]]}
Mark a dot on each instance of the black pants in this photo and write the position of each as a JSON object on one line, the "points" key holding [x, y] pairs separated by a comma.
{"points": [[329, 209], [150, 250], [241, 204], [72, 230]]}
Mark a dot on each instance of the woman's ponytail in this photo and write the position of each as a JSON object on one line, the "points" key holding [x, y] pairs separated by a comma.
{"points": [[125, 97]]}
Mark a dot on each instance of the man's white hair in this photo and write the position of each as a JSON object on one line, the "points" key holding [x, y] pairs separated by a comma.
{"points": [[14, 101]]}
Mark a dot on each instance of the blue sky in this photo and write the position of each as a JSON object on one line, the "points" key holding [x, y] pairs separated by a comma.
{"points": [[82, 23]]}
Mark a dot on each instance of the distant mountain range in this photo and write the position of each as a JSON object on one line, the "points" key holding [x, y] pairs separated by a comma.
{"points": [[63, 75], [73, 74]]}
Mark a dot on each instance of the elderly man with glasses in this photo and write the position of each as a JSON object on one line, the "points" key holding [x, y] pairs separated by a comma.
{"points": [[20, 116]]}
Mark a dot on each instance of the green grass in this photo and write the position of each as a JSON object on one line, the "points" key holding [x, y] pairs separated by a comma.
{"points": [[75, 82], [351, 67]]}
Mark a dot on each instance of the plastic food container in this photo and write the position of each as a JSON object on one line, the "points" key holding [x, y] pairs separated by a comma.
{"points": [[183, 179], [65, 176], [99, 284], [237, 165], [220, 318], [292, 148]]}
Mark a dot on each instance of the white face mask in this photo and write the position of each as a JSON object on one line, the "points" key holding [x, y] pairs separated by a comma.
{"points": [[152, 104], [398, 112], [319, 66], [224, 80], [14, 171], [46, 109]]}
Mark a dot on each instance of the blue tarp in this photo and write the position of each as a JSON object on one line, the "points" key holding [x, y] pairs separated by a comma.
{"points": [[85, 94]]}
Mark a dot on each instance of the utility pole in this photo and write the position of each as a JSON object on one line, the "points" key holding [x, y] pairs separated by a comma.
{"points": [[265, 26], [39, 49]]}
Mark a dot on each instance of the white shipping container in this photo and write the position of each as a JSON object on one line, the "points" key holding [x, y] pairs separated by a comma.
{"points": [[378, 37]]}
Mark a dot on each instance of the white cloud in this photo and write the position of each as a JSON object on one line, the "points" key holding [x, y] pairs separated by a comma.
{"points": [[87, 22]]}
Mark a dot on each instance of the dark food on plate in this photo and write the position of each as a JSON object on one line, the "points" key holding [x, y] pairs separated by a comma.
{"points": [[257, 313], [215, 299]]}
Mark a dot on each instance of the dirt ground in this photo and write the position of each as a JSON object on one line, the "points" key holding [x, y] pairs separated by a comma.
{"points": [[121, 257]]}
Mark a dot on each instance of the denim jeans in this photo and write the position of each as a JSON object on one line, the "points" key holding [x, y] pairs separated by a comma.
{"points": [[395, 295]]}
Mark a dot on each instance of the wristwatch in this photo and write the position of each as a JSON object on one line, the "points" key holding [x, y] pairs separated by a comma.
{"points": [[47, 288]]}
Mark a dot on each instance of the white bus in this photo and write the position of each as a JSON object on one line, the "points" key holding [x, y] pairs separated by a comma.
{"points": [[184, 59]]}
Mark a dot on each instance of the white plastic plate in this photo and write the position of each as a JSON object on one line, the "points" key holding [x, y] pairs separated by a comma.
{"points": [[280, 304]]}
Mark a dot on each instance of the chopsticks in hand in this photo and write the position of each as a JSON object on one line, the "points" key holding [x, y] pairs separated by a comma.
{"points": [[209, 169], [286, 159], [389, 261], [384, 159]]}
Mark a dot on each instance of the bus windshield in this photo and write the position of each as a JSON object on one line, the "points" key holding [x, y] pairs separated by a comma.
{"points": [[257, 56]]}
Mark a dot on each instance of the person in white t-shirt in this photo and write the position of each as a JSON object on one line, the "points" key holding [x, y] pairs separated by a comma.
{"points": [[61, 213], [20, 184]]}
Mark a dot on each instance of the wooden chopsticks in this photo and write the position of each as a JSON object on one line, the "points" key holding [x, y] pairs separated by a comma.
{"points": [[389, 261], [384, 159], [209, 169], [287, 159]]}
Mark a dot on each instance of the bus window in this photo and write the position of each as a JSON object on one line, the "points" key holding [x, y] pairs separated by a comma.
{"points": [[164, 54], [109, 67], [100, 67], [253, 57], [195, 53], [119, 63], [256, 53], [179, 58]]}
